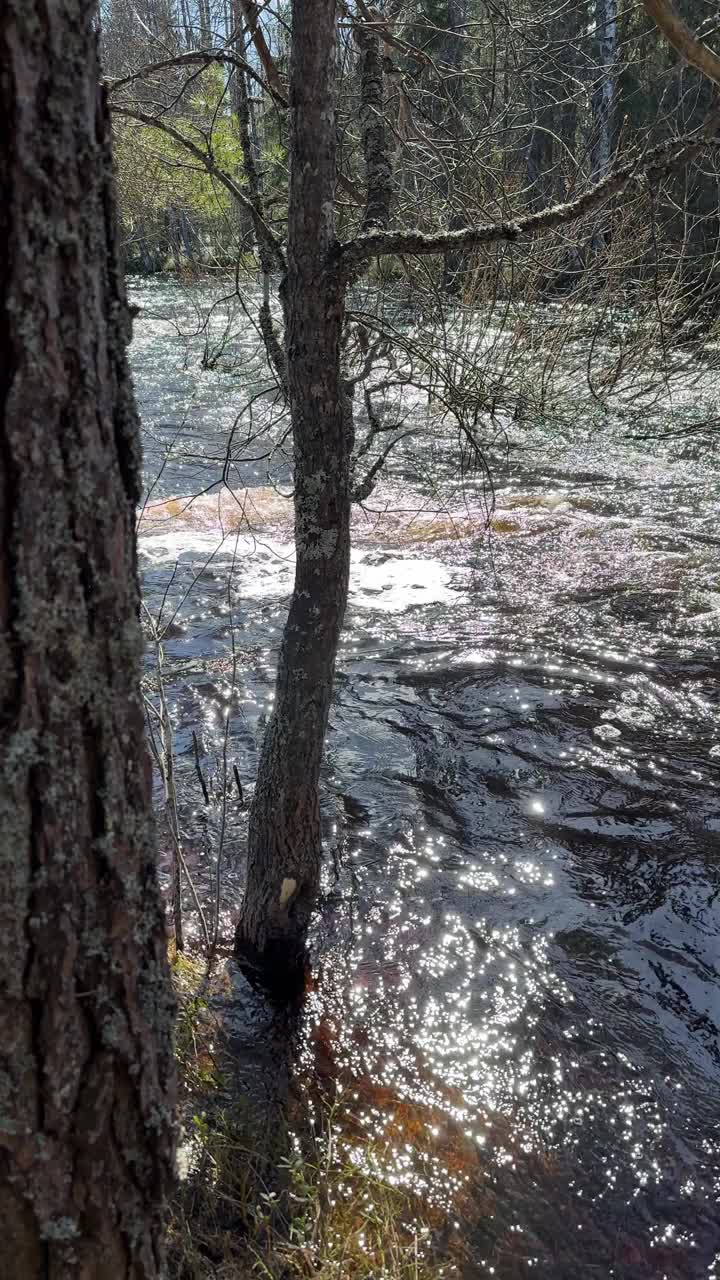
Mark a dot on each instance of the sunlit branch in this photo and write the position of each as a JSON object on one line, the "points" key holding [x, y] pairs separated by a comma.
{"points": [[251, 15], [197, 57], [367, 484], [651, 165], [677, 34]]}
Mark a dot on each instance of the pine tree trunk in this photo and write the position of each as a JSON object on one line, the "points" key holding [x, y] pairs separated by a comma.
{"points": [[284, 852], [86, 1071]]}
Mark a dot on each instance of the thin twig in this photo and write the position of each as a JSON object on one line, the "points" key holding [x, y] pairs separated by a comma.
{"points": [[198, 770]]}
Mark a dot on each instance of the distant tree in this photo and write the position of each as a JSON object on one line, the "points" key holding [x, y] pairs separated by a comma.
{"points": [[86, 1063]]}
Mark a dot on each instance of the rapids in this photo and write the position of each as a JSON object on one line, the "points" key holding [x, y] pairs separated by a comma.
{"points": [[518, 986]]}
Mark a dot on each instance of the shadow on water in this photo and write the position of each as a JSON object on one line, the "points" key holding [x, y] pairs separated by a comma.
{"points": [[516, 998]]}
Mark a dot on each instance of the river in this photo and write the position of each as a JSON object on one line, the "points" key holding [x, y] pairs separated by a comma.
{"points": [[517, 976]]}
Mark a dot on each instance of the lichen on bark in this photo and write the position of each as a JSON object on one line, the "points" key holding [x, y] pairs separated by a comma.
{"points": [[86, 1068]]}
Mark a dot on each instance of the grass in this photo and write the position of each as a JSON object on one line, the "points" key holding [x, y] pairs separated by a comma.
{"points": [[279, 1198]]}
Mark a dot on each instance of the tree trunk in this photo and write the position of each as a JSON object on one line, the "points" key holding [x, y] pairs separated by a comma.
{"points": [[604, 95], [284, 851], [86, 1069], [205, 24], [541, 171], [188, 237], [247, 165]]}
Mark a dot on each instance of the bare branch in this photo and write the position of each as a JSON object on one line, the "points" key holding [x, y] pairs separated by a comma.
{"points": [[651, 165], [268, 258], [367, 484], [205, 57], [197, 57], [251, 13]]}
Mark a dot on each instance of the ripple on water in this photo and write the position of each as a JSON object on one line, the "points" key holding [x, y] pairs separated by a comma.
{"points": [[516, 1004]]}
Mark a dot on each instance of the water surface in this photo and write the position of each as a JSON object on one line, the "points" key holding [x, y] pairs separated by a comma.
{"points": [[517, 989]]}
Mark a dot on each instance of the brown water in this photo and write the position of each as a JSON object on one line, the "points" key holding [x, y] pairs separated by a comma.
{"points": [[517, 990]]}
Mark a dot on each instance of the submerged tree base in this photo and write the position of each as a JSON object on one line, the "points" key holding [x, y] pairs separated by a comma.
{"points": [[280, 971]]}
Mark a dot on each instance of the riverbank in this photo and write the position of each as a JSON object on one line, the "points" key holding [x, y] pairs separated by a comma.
{"points": [[264, 1189]]}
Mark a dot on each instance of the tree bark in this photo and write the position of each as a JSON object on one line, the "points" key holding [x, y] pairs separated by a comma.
{"points": [[205, 24], [86, 1069], [284, 850]]}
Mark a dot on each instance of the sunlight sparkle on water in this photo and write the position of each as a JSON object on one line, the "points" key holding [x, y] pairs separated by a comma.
{"points": [[528, 746]]}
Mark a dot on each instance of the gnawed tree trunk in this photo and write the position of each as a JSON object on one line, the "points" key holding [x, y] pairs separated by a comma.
{"points": [[86, 1070], [284, 850]]}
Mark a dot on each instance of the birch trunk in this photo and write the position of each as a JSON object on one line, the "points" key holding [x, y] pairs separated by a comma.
{"points": [[604, 95], [86, 1067]]}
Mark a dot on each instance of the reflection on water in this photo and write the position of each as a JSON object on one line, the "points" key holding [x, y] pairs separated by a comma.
{"points": [[517, 991]]}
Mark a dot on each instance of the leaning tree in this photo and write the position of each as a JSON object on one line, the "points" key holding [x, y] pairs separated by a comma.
{"points": [[86, 1064], [318, 254]]}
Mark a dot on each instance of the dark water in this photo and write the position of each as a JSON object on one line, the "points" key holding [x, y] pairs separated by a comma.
{"points": [[518, 993]]}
